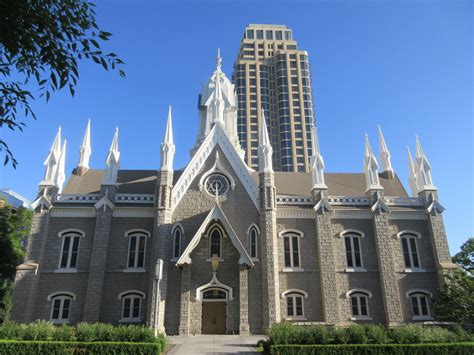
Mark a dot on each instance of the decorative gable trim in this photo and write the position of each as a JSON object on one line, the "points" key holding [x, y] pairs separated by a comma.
{"points": [[214, 283], [104, 202], [43, 202], [216, 214], [435, 208], [216, 136]]}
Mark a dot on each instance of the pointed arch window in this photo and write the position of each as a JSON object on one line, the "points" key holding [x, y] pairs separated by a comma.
{"points": [[253, 241], [215, 242], [177, 240]]}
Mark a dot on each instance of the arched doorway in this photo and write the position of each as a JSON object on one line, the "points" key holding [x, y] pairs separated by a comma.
{"points": [[214, 311]]}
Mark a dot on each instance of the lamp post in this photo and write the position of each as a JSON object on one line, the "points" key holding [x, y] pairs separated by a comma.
{"points": [[158, 277]]}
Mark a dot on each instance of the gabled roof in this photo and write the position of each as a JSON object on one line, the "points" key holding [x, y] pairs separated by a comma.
{"points": [[216, 214], [216, 136]]}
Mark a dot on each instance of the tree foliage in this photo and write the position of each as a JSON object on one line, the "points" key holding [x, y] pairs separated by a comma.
{"points": [[14, 228], [41, 44], [455, 301]]}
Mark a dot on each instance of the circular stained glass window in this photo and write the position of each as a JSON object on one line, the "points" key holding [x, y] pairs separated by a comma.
{"points": [[217, 184]]}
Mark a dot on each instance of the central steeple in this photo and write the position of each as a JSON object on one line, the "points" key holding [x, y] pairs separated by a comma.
{"points": [[218, 105]]}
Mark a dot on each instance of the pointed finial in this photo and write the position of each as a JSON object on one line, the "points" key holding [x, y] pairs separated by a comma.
{"points": [[265, 149], [61, 171], [167, 147], [371, 167], [112, 163], [317, 166], [219, 59], [385, 157], [423, 169], [412, 174], [52, 160], [85, 150]]}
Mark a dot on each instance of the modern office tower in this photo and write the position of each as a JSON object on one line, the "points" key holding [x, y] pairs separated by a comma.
{"points": [[270, 72]]}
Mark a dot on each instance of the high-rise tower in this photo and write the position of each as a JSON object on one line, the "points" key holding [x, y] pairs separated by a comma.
{"points": [[271, 73]]}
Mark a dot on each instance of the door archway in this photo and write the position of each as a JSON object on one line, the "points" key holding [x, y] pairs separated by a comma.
{"points": [[214, 310]]}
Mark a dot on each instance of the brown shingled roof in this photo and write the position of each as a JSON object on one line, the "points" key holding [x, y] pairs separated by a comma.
{"points": [[287, 183]]}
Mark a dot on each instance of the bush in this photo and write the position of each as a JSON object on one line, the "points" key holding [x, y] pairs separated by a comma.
{"points": [[376, 334], [8, 347], [375, 349]]}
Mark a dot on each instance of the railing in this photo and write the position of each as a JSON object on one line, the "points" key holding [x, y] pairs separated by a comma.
{"points": [[293, 200], [134, 198], [348, 201], [403, 201], [77, 198]]}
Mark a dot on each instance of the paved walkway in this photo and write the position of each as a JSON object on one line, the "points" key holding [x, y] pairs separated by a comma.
{"points": [[214, 344]]}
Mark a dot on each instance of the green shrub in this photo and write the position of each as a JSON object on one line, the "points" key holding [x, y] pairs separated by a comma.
{"points": [[375, 349], [64, 333], [376, 334], [356, 334], [8, 347]]}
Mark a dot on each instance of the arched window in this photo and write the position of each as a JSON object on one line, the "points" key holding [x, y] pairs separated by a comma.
{"points": [[294, 302], [132, 306], [136, 249], [215, 242], [353, 250], [61, 306], [69, 249], [419, 301], [177, 234], [253, 241], [291, 247], [410, 250], [359, 303], [214, 294]]}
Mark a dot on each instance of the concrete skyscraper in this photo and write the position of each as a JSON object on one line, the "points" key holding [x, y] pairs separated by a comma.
{"points": [[270, 72]]}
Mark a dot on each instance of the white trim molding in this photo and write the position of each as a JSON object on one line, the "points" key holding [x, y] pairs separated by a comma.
{"points": [[214, 283], [294, 290], [61, 293], [349, 231], [290, 231], [137, 230], [400, 234], [71, 230], [128, 292], [418, 290], [358, 290]]}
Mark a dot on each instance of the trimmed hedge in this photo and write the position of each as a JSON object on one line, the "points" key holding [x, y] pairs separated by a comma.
{"points": [[8, 347], [286, 333], [376, 349]]}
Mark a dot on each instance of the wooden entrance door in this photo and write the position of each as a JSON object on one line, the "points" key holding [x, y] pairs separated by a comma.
{"points": [[214, 317]]}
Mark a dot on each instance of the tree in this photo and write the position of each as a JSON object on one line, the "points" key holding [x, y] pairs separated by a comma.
{"points": [[455, 301], [14, 228], [41, 43]]}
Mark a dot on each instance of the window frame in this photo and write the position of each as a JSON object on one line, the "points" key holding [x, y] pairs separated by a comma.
{"points": [[132, 233], [62, 296], [292, 233], [408, 236], [417, 293], [132, 295], [293, 294], [221, 236], [75, 233], [358, 294], [177, 227], [352, 234], [253, 228]]}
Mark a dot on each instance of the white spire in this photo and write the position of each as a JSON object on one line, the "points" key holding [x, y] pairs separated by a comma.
{"points": [[217, 104], [371, 167], [265, 149], [85, 150], [61, 172], [317, 163], [412, 172], [112, 163], [219, 59], [167, 147], [385, 156], [423, 169], [52, 160]]}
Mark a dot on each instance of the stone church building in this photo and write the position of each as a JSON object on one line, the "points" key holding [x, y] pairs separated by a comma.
{"points": [[218, 247]]}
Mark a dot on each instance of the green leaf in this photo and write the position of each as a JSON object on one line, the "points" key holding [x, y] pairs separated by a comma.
{"points": [[104, 63]]}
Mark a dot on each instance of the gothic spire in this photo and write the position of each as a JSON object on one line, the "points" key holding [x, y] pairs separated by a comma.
{"points": [[412, 172], [423, 169], [317, 162], [371, 167], [52, 160], [167, 146], [85, 150], [385, 157], [112, 162], [265, 149], [61, 172]]}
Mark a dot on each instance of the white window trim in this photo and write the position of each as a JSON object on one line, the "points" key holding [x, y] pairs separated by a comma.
{"points": [[249, 230], [293, 293], [356, 292], [128, 235], [415, 236], [428, 295], [132, 293], [292, 233], [360, 235], [62, 234], [61, 295], [173, 230], [222, 234]]}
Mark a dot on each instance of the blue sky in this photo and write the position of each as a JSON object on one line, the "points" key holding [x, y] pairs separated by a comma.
{"points": [[406, 65]]}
